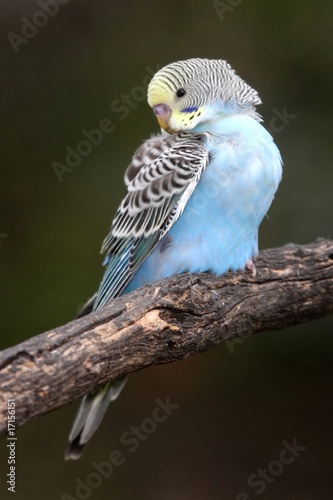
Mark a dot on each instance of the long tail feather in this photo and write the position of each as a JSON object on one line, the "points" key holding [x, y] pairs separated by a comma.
{"points": [[92, 409]]}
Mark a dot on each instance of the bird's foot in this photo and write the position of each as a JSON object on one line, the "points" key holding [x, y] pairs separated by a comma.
{"points": [[251, 267]]}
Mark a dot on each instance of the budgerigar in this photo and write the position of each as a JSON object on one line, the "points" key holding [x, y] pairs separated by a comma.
{"points": [[196, 195]]}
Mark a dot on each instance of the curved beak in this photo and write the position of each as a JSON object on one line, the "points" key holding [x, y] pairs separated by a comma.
{"points": [[163, 114]]}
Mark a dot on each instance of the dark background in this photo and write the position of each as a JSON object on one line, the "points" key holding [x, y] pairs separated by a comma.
{"points": [[235, 408]]}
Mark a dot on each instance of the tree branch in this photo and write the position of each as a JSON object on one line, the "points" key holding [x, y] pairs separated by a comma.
{"points": [[164, 322]]}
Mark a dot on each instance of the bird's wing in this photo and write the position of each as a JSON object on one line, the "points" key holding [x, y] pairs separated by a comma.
{"points": [[160, 180]]}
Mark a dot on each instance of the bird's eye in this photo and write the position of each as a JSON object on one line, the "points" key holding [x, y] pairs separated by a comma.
{"points": [[180, 92]]}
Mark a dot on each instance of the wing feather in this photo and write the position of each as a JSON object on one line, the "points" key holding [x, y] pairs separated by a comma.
{"points": [[160, 179]]}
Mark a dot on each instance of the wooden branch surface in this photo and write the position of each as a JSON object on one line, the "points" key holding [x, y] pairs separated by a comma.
{"points": [[164, 322]]}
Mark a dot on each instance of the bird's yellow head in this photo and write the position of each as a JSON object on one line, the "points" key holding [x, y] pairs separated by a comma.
{"points": [[181, 94]]}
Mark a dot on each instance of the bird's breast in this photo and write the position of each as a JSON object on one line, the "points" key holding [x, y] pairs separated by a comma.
{"points": [[219, 225]]}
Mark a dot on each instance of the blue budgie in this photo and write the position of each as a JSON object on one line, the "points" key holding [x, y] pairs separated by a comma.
{"points": [[196, 195]]}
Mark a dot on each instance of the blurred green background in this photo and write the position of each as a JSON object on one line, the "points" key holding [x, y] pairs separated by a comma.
{"points": [[235, 408]]}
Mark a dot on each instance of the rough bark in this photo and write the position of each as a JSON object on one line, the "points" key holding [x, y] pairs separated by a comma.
{"points": [[164, 322]]}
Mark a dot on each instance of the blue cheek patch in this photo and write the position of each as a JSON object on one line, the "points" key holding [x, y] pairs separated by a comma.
{"points": [[188, 110]]}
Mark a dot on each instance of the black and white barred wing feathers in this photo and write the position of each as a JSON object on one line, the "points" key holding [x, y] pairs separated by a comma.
{"points": [[160, 180]]}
